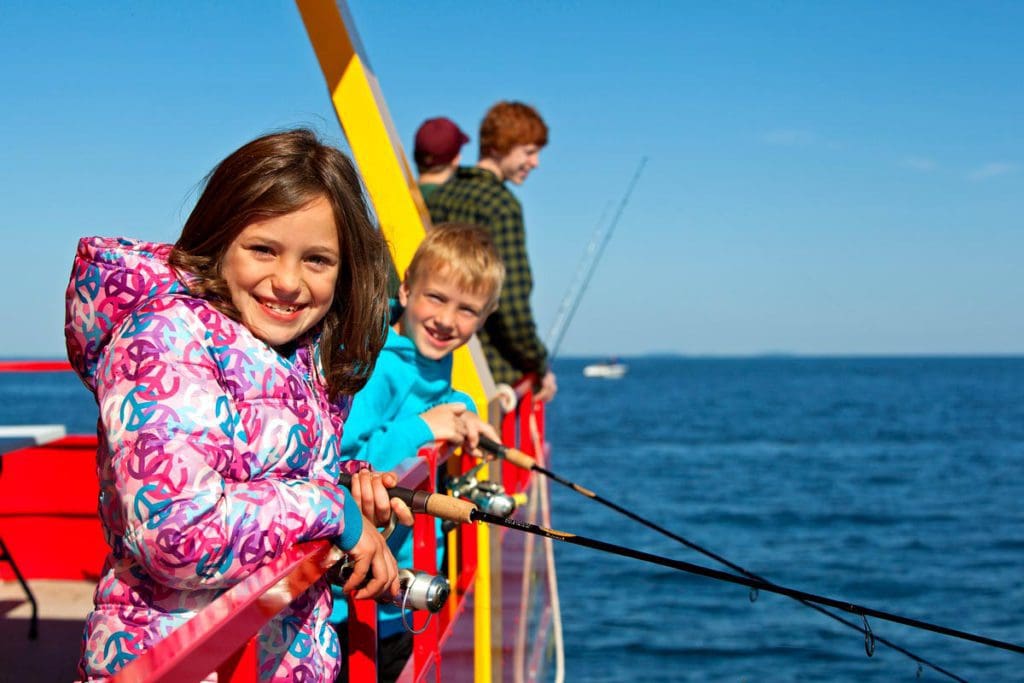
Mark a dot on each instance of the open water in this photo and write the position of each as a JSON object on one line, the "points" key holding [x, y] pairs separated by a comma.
{"points": [[891, 483]]}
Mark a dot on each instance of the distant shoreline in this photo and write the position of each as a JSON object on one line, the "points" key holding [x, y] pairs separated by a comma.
{"points": [[57, 363], [797, 356]]}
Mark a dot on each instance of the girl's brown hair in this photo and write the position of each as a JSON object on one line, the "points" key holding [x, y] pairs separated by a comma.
{"points": [[275, 175]]}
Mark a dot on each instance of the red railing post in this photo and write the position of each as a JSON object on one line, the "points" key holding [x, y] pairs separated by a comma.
{"points": [[516, 432], [467, 542], [241, 667], [362, 640], [426, 645]]}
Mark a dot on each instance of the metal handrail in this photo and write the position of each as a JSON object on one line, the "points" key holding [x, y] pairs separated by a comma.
{"points": [[220, 637]]}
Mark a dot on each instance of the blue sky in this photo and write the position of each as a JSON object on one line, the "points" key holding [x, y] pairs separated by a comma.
{"points": [[823, 177]]}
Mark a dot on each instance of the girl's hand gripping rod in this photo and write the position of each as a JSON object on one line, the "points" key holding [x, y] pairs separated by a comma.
{"points": [[434, 504]]}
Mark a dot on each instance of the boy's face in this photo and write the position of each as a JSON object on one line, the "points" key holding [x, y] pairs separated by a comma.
{"points": [[518, 162], [439, 315]]}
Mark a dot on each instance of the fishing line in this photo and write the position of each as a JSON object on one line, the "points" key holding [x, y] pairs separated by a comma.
{"points": [[520, 459], [460, 510], [586, 269], [853, 608]]}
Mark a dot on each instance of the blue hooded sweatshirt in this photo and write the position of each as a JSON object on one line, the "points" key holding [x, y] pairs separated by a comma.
{"points": [[384, 428]]}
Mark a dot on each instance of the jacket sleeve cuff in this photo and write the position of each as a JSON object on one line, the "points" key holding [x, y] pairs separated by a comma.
{"points": [[420, 434], [353, 530], [401, 440]]}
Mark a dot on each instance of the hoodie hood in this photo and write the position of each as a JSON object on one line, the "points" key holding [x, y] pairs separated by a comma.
{"points": [[110, 278]]}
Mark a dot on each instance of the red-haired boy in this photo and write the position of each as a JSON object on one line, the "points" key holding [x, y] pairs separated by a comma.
{"points": [[512, 135]]}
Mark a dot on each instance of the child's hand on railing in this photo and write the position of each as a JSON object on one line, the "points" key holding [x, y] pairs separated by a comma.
{"points": [[447, 422], [454, 424], [374, 572], [475, 428]]}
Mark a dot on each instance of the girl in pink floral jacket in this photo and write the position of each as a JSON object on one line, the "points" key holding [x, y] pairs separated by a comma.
{"points": [[222, 368]]}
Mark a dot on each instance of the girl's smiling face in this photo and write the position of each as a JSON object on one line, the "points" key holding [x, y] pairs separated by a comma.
{"points": [[282, 271]]}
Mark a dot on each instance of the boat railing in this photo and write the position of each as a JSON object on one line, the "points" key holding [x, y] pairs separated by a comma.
{"points": [[523, 429], [34, 366], [221, 637]]}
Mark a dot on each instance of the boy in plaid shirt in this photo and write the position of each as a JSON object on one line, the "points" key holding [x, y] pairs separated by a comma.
{"points": [[512, 135]]}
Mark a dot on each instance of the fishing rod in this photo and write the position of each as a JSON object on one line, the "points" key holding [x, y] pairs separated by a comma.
{"points": [[586, 269], [520, 459], [471, 514]]}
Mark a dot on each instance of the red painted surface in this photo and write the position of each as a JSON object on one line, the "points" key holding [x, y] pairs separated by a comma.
{"points": [[467, 544], [518, 430], [34, 366], [48, 518], [362, 640], [426, 649], [213, 637], [241, 667], [50, 492]]}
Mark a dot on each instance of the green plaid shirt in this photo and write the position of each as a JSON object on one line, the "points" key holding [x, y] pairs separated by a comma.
{"points": [[509, 336]]}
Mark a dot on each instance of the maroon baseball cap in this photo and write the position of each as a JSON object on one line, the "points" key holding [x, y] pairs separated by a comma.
{"points": [[438, 141]]}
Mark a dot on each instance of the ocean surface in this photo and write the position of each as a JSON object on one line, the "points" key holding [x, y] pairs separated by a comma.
{"points": [[895, 484], [891, 483]]}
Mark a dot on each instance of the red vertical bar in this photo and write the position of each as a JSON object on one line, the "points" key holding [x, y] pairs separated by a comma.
{"points": [[518, 477], [362, 640], [425, 645], [523, 415], [241, 667], [509, 423], [539, 413], [467, 542]]}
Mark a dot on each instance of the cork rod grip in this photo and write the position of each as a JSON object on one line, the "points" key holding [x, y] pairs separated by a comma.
{"points": [[519, 459], [516, 457]]}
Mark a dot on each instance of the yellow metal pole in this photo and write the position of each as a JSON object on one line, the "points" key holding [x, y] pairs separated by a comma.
{"points": [[403, 217], [482, 664], [378, 153]]}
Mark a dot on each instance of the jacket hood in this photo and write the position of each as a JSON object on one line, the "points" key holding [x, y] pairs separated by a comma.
{"points": [[429, 370], [110, 278]]}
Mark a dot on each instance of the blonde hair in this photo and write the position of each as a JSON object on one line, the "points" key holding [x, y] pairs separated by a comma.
{"points": [[466, 254]]}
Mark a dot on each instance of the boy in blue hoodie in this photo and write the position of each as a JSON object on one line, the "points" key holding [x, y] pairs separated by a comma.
{"points": [[452, 285]]}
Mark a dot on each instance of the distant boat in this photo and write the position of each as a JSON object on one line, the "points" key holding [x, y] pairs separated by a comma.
{"points": [[611, 369]]}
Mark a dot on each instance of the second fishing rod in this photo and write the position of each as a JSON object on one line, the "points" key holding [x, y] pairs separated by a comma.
{"points": [[520, 459], [462, 511]]}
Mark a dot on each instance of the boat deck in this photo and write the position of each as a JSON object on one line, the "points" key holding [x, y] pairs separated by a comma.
{"points": [[63, 606]]}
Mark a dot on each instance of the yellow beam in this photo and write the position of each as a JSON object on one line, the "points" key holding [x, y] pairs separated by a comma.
{"points": [[403, 216], [482, 608], [378, 152], [368, 128]]}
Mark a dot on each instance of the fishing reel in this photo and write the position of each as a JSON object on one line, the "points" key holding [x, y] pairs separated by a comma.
{"points": [[420, 590], [417, 590], [489, 496]]}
